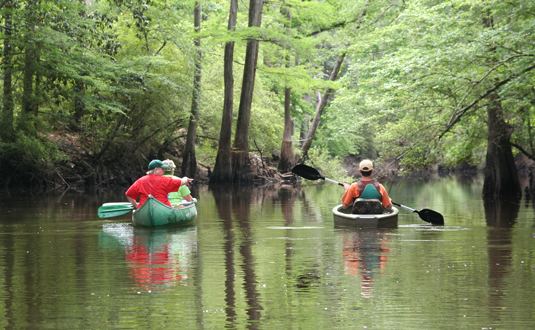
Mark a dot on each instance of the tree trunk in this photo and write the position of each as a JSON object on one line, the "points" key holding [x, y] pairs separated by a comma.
{"points": [[320, 106], [79, 105], [501, 177], [287, 155], [223, 165], [240, 155], [6, 125], [189, 162], [29, 108]]}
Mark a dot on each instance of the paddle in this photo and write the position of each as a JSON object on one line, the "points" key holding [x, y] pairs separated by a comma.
{"points": [[110, 210], [426, 214], [311, 173]]}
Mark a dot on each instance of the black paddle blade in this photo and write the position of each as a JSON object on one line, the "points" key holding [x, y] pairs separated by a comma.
{"points": [[431, 216], [307, 172]]}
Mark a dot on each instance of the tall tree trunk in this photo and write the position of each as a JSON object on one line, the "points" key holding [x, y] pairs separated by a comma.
{"points": [[29, 105], [6, 125], [223, 165], [189, 162], [240, 155], [287, 155], [501, 176], [320, 106]]}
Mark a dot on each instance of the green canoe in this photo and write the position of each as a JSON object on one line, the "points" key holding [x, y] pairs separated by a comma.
{"points": [[155, 214]]}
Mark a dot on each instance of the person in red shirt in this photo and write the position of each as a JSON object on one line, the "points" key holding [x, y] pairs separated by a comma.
{"points": [[155, 184], [366, 188]]}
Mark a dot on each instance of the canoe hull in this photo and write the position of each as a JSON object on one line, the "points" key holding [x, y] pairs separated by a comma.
{"points": [[156, 214], [385, 220]]}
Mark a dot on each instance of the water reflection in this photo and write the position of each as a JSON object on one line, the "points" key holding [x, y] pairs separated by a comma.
{"points": [[237, 205], [223, 201], [157, 258], [365, 254], [501, 215], [501, 212]]}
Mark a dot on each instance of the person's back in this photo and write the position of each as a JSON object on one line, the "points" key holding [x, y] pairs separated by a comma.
{"points": [[176, 198], [157, 186], [366, 196], [154, 184]]}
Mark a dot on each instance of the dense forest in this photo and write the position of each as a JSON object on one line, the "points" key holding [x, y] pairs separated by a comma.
{"points": [[94, 89]]}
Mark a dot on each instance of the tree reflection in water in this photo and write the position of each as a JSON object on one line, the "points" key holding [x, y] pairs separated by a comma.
{"points": [[236, 205], [501, 215], [223, 203]]}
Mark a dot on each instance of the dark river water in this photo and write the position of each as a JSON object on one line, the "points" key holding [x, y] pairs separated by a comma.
{"points": [[267, 259]]}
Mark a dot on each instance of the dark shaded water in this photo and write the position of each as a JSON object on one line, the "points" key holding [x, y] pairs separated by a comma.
{"points": [[267, 258]]}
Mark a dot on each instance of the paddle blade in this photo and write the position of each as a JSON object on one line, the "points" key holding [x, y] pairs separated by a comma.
{"points": [[110, 210], [432, 217], [307, 172]]}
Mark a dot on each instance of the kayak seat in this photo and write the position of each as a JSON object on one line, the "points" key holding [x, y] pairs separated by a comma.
{"points": [[367, 206]]}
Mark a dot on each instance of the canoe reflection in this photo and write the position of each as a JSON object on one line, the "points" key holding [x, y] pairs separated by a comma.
{"points": [[365, 253], [157, 258]]}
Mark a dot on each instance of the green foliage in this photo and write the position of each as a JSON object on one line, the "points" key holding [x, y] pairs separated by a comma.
{"points": [[119, 75], [410, 76], [29, 160], [329, 166]]}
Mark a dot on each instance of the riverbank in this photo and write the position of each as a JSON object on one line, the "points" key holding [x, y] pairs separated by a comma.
{"points": [[72, 166]]}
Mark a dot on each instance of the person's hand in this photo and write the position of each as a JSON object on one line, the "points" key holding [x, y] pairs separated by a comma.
{"points": [[346, 186], [186, 180]]}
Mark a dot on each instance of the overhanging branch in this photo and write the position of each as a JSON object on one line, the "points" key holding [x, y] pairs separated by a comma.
{"points": [[522, 150], [459, 114]]}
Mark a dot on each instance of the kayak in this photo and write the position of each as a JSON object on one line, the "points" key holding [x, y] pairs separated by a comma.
{"points": [[346, 219], [155, 214]]}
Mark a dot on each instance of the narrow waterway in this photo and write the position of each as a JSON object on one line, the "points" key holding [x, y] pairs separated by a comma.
{"points": [[270, 258]]}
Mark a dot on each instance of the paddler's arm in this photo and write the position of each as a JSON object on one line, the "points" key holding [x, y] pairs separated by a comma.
{"points": [[385, 199], [349, 195], [133, 201], [132, 194]]}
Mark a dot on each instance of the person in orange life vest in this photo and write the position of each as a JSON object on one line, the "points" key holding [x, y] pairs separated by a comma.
{"points": [[155, 184], [366, 188]]}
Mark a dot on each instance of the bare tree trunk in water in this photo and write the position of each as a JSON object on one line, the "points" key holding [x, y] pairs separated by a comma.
{"points": [[501, 176], [189, 161], [320, 106], [287, 155], [223, 165], [6, 124], [241, 166]]}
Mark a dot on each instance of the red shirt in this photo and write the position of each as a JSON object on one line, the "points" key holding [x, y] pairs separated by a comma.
{"points": [[158, 186]]}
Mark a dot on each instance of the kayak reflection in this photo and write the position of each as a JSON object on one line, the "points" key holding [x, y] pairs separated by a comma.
{"points": [[365, 254], [157, 257]]}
